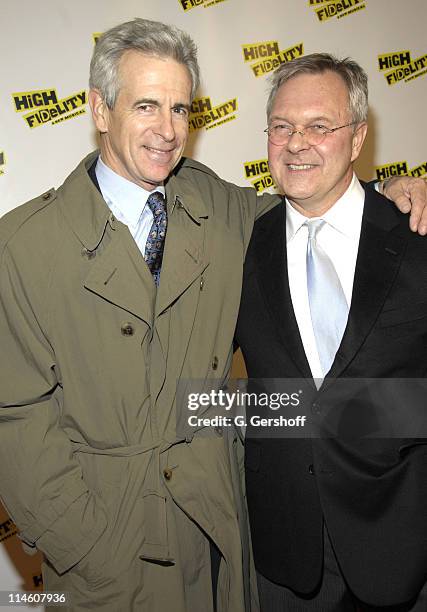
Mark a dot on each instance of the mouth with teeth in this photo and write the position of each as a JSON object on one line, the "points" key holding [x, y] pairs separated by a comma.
{"points": [[160, 154], [300, 167], [157, 150]]}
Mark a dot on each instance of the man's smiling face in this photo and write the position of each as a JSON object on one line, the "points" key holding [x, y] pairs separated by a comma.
{"points": [[314, 177], [144, 135]]}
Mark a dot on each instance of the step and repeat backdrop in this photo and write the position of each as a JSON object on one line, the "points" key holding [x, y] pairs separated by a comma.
{"points": [[46, 128]]}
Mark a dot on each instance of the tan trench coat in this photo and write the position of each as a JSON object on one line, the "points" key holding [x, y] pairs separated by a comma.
{"points": [[92, 469]]}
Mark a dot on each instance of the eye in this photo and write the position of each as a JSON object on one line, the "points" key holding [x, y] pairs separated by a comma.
{"points": [[145, 108], [317, 129], [180, 110], [282, 128]]}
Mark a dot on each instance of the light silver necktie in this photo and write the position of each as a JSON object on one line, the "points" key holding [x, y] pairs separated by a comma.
{"points": [[328, 306]]}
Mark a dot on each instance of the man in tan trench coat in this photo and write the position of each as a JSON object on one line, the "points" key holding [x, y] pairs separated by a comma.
{"points": [[128, 513]]}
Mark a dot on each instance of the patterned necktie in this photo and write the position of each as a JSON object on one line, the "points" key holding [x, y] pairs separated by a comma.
{"points": [[328, 306], [154, 246]]}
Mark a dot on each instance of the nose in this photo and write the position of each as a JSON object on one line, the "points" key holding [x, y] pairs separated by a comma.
{"points": [[164, 126], [297, 142]]}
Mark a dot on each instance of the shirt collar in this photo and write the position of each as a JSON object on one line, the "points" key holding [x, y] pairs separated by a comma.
{"points": [[345, 215], [127, 197]]}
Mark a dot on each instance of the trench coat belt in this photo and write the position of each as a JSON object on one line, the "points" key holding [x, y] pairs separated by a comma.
{"points": [[156, 546]]}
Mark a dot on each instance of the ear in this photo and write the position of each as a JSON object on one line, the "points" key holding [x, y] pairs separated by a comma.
{"points": [[359, 136], [100, 111]]}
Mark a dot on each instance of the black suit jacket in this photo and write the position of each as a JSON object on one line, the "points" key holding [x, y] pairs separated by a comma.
{"points": [[372, 493]]}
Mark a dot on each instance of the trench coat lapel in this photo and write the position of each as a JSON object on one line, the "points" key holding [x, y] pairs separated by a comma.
{"points": [[184, 257], [118, 272], [120, 275], [184, 260]]}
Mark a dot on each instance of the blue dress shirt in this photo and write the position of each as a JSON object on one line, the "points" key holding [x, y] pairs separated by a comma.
{"points": [[127, 201]]}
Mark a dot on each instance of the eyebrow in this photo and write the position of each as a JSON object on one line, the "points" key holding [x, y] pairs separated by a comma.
{"points": [[151, 101], [155, 102]]}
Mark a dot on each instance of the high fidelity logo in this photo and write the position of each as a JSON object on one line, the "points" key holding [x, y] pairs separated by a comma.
{"points": [[205, 115], [328, 9], [7, 529], [258, 173], [267, 56], [399, 66], [2, 162], [42, 106], [400, 168], [187, 5]]}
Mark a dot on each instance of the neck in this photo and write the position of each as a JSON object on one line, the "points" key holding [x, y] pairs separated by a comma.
{"points": [[311, 207]]}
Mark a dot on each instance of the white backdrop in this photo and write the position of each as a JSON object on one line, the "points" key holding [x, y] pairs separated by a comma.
{"points": [[47, 46]]}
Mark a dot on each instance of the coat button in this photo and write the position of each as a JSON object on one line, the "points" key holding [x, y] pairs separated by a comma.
{"points": [[215, 363], [127, 329], [167, 473], [311, 469], [46, 196], [218, 431], [316, 408], [202, 282]]}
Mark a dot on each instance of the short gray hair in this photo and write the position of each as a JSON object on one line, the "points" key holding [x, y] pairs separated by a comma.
{"points": [[353, 75], [149, 37]]}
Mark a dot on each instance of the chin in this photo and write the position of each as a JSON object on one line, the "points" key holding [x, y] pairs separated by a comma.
{"points": [[157, 177], [298, 196]]}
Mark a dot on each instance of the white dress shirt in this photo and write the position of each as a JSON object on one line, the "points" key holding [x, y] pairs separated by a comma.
{"points": [[127, 201], [339, 238]]}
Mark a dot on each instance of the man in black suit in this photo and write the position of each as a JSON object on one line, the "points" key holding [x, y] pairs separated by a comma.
{"points": [[335, 291]]}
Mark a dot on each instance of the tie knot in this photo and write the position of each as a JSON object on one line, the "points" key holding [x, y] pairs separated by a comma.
{"points": [[156, 203], [314, 227]]}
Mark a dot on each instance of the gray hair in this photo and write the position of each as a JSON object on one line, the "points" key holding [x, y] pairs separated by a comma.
{"points": [[353, 75], [148, 37]]}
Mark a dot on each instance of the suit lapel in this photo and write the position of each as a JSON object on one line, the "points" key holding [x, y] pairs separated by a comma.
{"points": [[382, 244], [271, 261]]}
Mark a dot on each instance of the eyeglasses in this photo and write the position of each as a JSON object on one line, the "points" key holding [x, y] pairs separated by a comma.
{"points": [[281, 133]]}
